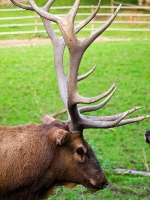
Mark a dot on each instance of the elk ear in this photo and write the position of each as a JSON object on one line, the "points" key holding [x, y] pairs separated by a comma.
{"points": [[47, 119], [60, 136]]}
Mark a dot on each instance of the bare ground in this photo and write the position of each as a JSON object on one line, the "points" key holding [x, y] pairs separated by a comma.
{"points": [[34, 41]]}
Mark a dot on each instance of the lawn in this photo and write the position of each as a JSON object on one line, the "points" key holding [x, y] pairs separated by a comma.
{"points": [[28, 90]]}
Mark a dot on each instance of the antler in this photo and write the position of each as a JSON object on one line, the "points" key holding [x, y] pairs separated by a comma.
{"points": [[77, 47]]}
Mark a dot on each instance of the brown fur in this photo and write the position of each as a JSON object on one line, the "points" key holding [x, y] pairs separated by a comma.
{"points": [[36, 158]]}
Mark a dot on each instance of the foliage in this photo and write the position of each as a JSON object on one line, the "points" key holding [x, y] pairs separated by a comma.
{"points": [[130, 1], [29, 89]]}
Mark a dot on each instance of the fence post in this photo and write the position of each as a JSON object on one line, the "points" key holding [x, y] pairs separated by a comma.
{"points": [[92, 23], [112, 5], [35, 23]]}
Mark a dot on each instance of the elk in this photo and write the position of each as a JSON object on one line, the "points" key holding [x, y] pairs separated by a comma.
{"points": [[35, 158]]}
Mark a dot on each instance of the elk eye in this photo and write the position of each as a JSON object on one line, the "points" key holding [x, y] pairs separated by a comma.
{"points": [[80, 151]]}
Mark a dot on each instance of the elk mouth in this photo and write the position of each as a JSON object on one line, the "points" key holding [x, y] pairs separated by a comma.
{"points": [[93, 186]]}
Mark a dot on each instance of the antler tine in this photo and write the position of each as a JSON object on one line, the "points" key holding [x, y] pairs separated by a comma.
{"points": [[21, 5], [132, 120], [87, 74], [93, 36], [97, 122], [111, 124], [43, 13], [115, 122], [73, 11], [80, 99], [48, 5], [86, 123], [98, 106], [113, 117], [87, 20]]}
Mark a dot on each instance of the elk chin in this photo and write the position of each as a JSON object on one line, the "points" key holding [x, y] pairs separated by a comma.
{"points": [[94, 185]]}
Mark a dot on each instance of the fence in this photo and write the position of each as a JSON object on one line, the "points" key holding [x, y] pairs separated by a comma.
{"points": [[130, 18]]}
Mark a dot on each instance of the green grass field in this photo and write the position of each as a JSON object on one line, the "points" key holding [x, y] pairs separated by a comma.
{"points": [[28, 90]]}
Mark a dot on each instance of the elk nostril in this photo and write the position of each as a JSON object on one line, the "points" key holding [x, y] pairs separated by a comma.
{"points": [[104, 184]]}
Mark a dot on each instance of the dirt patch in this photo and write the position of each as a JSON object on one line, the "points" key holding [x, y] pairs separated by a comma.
{"points": [[7, 43], [35, 41], [8, 2]]}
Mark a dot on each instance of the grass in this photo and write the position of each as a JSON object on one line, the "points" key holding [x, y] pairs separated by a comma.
{"points": [[28, 90]]}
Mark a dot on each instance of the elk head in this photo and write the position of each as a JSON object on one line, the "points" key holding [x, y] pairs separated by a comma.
{"points": [[68, 86], [77, 162]]}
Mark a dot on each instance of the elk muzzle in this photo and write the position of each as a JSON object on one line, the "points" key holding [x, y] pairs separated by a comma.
{"points": [[96, 184]]}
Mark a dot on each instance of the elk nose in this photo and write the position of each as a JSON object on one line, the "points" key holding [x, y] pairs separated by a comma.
{"points": [[104, 184], [101, 184]]}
